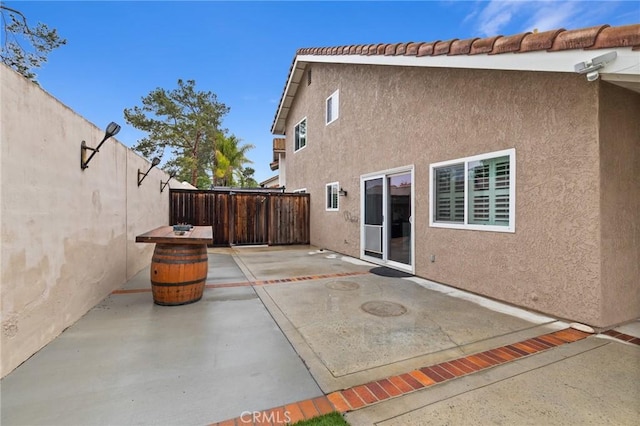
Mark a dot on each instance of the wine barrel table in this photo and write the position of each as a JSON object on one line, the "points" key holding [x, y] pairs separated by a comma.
{"points": [[179, 264]]}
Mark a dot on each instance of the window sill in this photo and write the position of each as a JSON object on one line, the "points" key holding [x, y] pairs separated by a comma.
{"points": [[486, 228]]}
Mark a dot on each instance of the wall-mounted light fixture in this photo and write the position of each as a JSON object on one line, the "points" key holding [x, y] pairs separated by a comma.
{"points": [[154, 163], [163, 184], [112, 130], [590, 68], [342, 192]]}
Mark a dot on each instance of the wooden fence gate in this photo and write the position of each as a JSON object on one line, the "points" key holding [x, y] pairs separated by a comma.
{"points": [[245, 217]]}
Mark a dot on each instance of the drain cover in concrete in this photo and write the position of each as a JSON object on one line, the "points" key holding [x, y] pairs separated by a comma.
{"points": [[342, 285], [383, 308]]}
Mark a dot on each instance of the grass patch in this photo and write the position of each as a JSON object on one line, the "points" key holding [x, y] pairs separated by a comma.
{"points": [[331, 419]]}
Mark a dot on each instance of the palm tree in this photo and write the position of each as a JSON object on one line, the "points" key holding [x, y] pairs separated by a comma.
{"points": [[230, 156]]}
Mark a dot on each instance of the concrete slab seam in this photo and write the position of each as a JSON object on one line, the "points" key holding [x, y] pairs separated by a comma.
{"points": [[367, 394], [491, 382], [243, 267], [391, 387]]}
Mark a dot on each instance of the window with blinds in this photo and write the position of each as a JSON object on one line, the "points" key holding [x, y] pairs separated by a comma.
{"points": [[300, 135], [475, 192], [332, 196], [489, 191], [449, 184]]}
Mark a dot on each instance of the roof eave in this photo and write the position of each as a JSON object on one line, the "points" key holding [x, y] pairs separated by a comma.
{"points": [[625, 67], [626, 61], [295, 76]]}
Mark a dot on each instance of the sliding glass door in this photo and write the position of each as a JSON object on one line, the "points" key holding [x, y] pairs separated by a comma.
{"points": [[373, 217], [387, 212], [399, 201]]}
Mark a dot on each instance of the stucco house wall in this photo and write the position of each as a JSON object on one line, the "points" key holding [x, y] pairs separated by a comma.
{"points": [[67, 235], [619, 202], [392, 116]]}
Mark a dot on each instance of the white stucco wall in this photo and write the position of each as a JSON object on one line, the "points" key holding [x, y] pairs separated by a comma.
{"points": [[67, 235]]}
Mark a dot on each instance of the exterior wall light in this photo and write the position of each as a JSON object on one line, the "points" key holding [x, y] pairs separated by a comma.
{"points": [[163, 184], [342, 192], [154, 163], [112, 130]]}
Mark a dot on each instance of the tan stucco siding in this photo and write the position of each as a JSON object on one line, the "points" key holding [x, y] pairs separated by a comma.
{"points": [[392, 117], [68, 236], [620, 203]]}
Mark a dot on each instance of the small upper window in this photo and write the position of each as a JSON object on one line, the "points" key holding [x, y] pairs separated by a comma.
{"points": [[332, 196], [332, 107], [300, 135]]}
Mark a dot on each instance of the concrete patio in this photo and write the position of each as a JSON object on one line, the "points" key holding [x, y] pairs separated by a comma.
{"points": [[281, 325]]}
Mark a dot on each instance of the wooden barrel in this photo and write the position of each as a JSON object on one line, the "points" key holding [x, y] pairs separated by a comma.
{"points": [[178, 273]]}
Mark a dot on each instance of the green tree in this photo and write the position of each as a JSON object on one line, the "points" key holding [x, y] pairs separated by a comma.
{"points": [[24, 47], [246, 179], [231, 157], [181, 167], [184, 120]]}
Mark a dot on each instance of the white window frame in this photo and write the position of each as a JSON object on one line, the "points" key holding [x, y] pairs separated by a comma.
{"points": [[300, 191], [511, 153], [331, 208], [335, 107], [295, 135]]}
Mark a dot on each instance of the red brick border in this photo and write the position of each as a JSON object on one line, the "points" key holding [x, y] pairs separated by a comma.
{"points": [[391, 387], [260, 283], [622, 336], [309, 277]]}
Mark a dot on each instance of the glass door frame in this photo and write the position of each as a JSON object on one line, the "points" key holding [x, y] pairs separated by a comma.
{"points": [[385, 175]]}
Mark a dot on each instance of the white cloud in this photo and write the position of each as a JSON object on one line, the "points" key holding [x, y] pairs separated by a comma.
{"points": [[471, 15], [494, 25], [555, 15], [497, 14], [513, 16]]}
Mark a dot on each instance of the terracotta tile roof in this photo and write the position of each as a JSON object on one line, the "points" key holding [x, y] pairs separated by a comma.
{"points": [[558, 40], [598, 37]]}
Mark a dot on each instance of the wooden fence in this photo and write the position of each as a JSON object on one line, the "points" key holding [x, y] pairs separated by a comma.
{"points": [[239, 218]]}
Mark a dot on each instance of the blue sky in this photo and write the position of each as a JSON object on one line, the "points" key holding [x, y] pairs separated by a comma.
{"points": [[119, 51]]}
